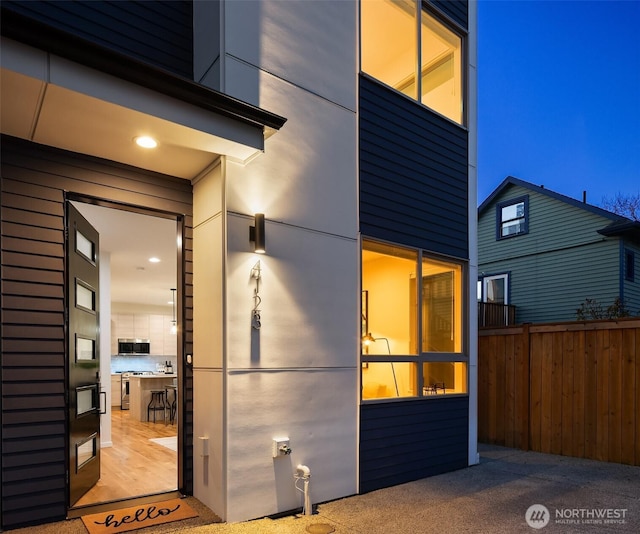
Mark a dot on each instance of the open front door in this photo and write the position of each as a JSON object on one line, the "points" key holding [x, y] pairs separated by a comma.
{"points": [[83, 355]]}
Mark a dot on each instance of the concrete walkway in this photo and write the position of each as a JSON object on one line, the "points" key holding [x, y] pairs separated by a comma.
{"points": [[580, 496]]}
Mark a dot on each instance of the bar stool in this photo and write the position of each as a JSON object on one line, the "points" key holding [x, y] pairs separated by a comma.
{"points": [[156, 404], [172, 404]]}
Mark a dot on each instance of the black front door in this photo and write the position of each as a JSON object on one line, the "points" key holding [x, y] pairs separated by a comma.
{"points": [[83, 355]]}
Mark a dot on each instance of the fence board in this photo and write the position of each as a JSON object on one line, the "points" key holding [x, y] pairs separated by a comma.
{"points": [[556, 393], [637, 401], [615, 396], [510, 392], [602, 395], [590, 405], [535, 391], [629, 385], [546, 421], [500, 379], [578, 398], [566, 388]]}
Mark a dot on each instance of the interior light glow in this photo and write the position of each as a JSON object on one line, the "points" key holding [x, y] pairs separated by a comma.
{"points": [[154, 260], [145, 141]]}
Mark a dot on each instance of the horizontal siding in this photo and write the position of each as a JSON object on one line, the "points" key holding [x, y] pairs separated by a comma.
{"points": [[405, 441], [553, 225], [413, 173], [34, 179], [457, 10], [631, 290], [551, 286], [159, 33]]}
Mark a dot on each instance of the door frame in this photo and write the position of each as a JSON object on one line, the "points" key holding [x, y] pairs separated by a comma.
{"points": [[180, 311]]}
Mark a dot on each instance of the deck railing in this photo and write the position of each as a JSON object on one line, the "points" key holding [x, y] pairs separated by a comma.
{"points": [[492, 314]]}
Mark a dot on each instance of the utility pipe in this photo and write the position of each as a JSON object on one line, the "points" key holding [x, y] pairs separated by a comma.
{"points": [[304, 473]]}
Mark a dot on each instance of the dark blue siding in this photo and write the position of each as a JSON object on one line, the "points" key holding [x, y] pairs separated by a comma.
{"points": [[405, 441], [413, 173], [159, 33], [457, 10], [33, 415]]}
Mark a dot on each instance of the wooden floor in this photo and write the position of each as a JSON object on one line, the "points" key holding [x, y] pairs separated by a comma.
{"points": [[134, 466]]}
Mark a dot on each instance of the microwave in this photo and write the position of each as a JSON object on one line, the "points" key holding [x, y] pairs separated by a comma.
{"points": [[134, 346]]}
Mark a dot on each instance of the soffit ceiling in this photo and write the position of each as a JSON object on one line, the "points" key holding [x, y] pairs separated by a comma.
{"points": [[54, 102]]}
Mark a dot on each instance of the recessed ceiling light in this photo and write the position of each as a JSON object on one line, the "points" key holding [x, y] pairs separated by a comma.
{"points": [[146, 142], [154, 260]]}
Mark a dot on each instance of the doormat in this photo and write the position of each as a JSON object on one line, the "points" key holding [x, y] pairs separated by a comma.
{"points": [[135, 517]]}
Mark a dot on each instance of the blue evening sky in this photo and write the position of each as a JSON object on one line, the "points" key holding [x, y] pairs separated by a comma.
{"points": [[559, 96]]}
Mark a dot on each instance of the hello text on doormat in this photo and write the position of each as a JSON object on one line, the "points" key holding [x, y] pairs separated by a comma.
{"points": [[135, 517]]}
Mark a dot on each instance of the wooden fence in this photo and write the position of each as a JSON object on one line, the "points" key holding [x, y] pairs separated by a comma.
{"points": [[567, 388]]}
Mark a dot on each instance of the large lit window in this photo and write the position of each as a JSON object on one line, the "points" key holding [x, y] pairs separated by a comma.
{"points": [[423, 61], [412, 333]]}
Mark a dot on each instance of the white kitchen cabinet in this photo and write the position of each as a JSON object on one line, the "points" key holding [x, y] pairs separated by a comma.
{"points": [[141, 326], [115, 390], [154, 327]]}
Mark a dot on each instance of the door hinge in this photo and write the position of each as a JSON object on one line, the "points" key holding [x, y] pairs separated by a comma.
{"points": [[67, 476]]}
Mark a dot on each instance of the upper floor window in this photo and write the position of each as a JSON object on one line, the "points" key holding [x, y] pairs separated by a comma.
{"points": [[422, 60], [512, 217]]}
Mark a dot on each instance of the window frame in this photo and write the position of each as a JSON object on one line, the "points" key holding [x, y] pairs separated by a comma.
{"points": [[485, 278], [421, 357], [629, 265], [451, 25], [499, 221]]}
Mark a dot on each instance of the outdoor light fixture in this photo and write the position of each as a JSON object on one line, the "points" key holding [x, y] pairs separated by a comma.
{"points": [[256, 233]]}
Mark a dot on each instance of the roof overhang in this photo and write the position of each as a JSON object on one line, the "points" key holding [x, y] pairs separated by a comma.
{"points": [[77, 96], [626, 229]]}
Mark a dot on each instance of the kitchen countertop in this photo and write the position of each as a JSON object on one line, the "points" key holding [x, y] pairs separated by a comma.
{"points": [[159, 375]]}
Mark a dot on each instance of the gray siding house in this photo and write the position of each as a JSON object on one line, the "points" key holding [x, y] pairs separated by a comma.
{"points": [[545, 254]]}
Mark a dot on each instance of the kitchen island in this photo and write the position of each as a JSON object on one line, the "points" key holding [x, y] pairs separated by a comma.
{"points": [[140, 387]]}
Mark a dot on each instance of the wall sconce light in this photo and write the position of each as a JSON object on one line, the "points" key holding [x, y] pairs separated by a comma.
{"points": [[256, 233]]}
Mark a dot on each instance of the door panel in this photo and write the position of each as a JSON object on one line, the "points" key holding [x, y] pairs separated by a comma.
{"points": [[83, 354]]}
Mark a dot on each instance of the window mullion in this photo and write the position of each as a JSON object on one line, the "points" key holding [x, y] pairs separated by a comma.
{"points": [[419, 51], [419, 316]]}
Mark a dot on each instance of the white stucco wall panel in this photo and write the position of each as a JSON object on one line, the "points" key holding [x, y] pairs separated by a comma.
{"points": [[316, 410], [309, 292], [291, 40], [207, 194], [308, 174], [208, 410], [208, 271]]}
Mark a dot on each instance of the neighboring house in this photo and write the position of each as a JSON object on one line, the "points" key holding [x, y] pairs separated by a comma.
{"points": [[545, 254], [352, 127]]}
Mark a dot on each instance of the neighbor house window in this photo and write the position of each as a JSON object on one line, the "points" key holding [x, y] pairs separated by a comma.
{"points": [[512, 217], [412, 323], [423, 61], [629, 265]]}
